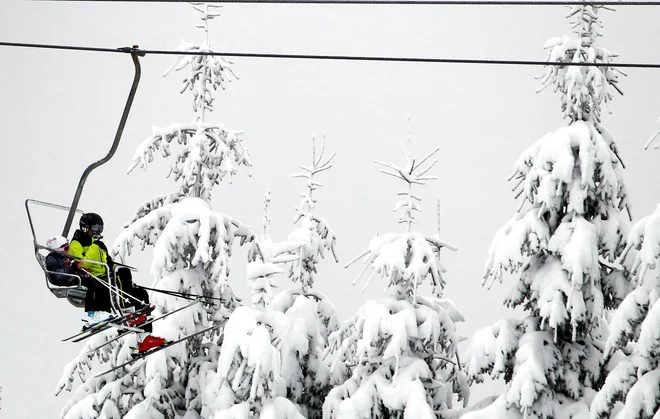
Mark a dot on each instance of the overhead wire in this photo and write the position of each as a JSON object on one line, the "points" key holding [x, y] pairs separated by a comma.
{"points": [[142, 52], [408, 2]]}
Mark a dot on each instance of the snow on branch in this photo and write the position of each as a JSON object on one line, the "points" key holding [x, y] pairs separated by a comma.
{"points": [[583, 88], [405, 260], [571, 172], [634, 328], [109, 396], [645, 238], [313, 231], [492, 350], [263, 258], [411, 173], [207, 153], [318, 165], [401, 357], [257, 360], [207, 72], [654, 137], [185, 234]]}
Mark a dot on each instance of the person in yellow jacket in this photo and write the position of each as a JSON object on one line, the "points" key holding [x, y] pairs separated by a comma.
{"points": [[86, 244]]}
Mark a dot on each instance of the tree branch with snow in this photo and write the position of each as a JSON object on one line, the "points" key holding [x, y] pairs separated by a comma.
{"points": [[314, 231]]}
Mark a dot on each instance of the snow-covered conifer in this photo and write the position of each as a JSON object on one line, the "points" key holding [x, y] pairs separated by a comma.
{"points": [[313, 231], [306, 308], [207, 151], [562, 247], [273, 352], [261, 346], [192, 244], [397, 356], [635, 330]]}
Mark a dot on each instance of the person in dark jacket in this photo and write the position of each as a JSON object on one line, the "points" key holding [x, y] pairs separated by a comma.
{"points": [[61, 270]]}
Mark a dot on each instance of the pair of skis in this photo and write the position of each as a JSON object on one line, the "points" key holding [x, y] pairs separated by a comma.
{"points": [[92, 329], [123, 332], [142, 355]]}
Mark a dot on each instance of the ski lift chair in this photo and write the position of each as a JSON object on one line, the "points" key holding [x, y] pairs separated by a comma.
{"points": [[74, 294]]}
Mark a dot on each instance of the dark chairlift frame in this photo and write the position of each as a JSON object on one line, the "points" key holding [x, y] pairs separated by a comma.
{"points": [[76, 294]]}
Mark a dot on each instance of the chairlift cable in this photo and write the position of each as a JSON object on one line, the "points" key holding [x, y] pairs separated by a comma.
{"points": [[139, 51], [411, 2]]}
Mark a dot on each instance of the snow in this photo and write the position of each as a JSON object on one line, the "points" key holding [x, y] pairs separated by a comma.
{"points": [[384, 334], [207, 153], [143, 411], [583, 89], [492, 349], [645, 237], [496, 410], [625, 323], [633, 384], [84, 409], [643, 400]]}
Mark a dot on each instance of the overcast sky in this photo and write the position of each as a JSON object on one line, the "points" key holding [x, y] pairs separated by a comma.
{"points": [[60, 110]]}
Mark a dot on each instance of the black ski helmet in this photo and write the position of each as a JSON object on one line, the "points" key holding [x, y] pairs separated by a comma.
{"points": [[92, 221]]}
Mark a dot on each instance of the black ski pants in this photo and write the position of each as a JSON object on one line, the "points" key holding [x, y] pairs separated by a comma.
{"points": [[99, 296]]}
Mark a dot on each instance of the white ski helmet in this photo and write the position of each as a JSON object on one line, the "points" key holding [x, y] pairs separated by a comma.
{"points": [[57, 242]]}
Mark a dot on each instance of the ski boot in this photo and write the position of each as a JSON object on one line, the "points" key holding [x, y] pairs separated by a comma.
{"points": [[150, 342]]}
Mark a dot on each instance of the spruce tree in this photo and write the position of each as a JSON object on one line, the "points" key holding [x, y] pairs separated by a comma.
{"points": [[305, 305], [561, 246], [635, 332], [260, 346], [271, 359], [192, 244], [396, 357]]}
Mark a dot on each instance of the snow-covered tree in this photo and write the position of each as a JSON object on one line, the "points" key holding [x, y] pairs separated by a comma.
{"points": [[271, 360], [562, 247], [192, 244], [635, 332], [396, 357], [310, 309], [314, 230], [260, 346]]}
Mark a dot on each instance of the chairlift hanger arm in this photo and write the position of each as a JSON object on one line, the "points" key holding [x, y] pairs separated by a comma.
{"points": [[115, 144]]}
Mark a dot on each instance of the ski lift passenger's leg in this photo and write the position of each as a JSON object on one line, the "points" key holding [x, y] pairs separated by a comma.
{"points": [[136, 298], [97, 302], [59, 280], [140, 301]]}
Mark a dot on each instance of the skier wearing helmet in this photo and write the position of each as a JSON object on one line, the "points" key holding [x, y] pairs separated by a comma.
{"points": [[62, 271], [87, 244]]}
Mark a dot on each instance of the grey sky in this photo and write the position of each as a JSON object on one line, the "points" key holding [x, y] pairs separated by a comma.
{"points": [[60, 110]]}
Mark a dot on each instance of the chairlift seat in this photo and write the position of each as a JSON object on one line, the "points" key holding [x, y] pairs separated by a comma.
{"points": [[74, 295]]}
